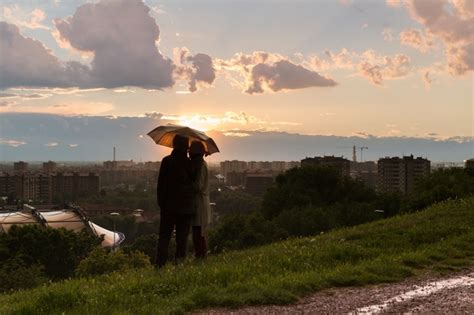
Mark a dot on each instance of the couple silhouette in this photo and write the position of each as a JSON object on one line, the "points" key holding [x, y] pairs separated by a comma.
{"points": [[183, 197]]}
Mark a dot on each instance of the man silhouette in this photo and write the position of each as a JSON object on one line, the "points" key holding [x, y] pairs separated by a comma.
{"points": [[175, 198]]}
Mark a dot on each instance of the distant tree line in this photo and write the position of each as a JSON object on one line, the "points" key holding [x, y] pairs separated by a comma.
{"points": [[311, 200]]}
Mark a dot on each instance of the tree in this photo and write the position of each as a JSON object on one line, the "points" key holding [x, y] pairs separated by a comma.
{"points": [[313, 187], [440, 185]]}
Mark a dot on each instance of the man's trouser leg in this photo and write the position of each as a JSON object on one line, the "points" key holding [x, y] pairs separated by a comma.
{"points": [[200, 243], [183, 224], [166, 230]]}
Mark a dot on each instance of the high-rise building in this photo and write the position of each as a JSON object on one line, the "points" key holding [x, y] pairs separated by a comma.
{"points": [[20, 167], [49, 167], [340, 164], [73, 185], [45, 187], [400, 174], [232, 166], [7, 185]]}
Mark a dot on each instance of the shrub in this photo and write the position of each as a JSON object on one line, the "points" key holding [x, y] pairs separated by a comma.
{"points": [[101, 261], [241, 231], [57, 251], [146, 244], [15, 275]]}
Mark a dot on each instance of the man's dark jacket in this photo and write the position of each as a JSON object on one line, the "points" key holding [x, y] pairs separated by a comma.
{"points": [[175, 190]]}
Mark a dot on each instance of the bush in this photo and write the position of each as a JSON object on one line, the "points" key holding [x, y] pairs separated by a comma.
{"points": [[241, 231], [15, 275], [101, 261], [57, 251], [146, 244]]}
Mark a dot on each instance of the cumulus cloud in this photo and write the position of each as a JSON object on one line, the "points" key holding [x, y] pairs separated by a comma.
{"points": [[196, 69], [452, 23], [465, 8], [263, 71], [26, 19], [416, 39], [379, 68], [285, 75], [122, 36], [39, 68], [369, 64]]}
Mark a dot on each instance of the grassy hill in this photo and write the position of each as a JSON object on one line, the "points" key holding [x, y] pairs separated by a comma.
{"points": [[440, 238]]}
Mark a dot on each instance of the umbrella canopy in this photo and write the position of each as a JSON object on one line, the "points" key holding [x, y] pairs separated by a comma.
{"points": [[164, 135]]}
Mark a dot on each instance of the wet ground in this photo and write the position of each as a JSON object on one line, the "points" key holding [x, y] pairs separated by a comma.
{"points": [[425, 295]]}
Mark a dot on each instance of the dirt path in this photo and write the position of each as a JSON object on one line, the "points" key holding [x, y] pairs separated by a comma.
{"points": [[427, 295]]}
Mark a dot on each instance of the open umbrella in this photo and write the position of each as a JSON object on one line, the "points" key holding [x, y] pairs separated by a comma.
{"points": [[164, 135]]}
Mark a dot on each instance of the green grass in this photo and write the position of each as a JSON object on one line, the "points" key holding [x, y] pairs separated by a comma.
{"points": [[438, 239]]}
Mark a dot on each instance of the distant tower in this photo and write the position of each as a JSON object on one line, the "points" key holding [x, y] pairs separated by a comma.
{"points": [[354, 155], [114, 154]]}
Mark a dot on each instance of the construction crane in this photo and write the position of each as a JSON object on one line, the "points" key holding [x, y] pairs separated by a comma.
{"points": [[354, 152]]}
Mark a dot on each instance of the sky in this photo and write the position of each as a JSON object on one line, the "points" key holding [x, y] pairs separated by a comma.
{"points": [[345, 70]]}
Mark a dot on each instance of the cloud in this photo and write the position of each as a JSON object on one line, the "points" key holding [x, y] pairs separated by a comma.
{"points": [[460, 59], [427, 79], [39, 68], [70, 108], [125, 54], [416, 39], [393, 3], [452, 23], [259, 145], [387, 34], [25, 97], [228, 120], [197, 69], [11, 143], [285, 75], [369, 64], [263, 71], [379, 68], [14, 14], [465, 8]]}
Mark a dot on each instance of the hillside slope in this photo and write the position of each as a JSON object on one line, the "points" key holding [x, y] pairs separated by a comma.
{"points": [[439, 238]]}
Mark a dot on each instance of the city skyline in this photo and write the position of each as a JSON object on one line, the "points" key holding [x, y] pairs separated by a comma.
{"points": [[336, 72]]}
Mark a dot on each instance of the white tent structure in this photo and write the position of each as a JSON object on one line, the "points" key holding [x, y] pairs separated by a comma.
{"points": [[71, 218]]}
